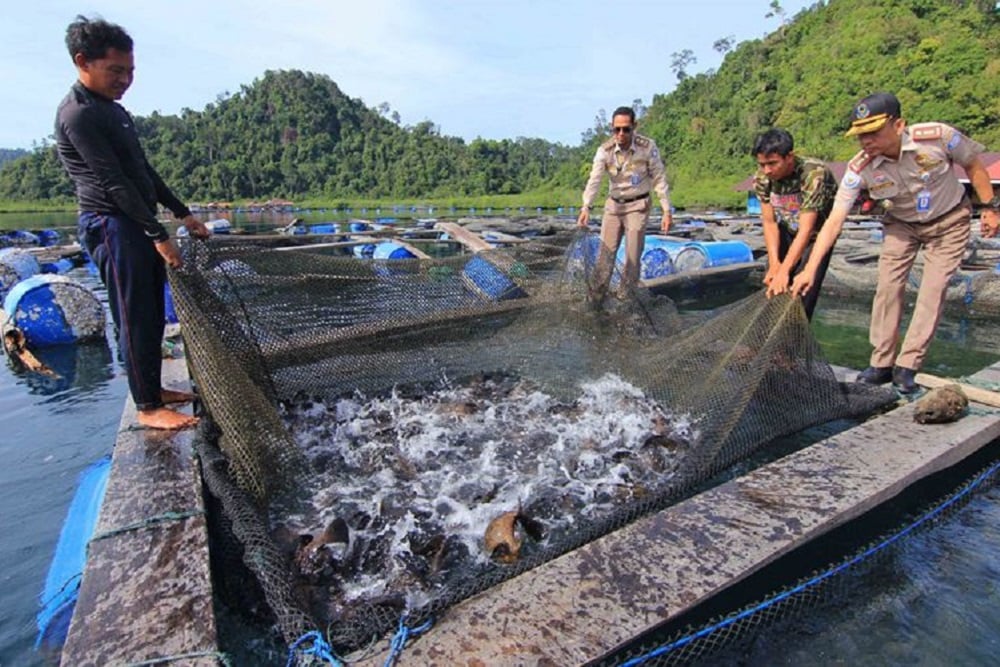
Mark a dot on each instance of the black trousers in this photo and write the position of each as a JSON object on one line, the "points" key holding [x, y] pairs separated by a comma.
{"points": [[809, 298], [134, 275]]}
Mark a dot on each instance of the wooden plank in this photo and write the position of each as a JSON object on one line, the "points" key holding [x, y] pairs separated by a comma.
{"points": [[977, 394], [358, 240], [470, 240], [587, 603], [691, 277], [146, 591]]}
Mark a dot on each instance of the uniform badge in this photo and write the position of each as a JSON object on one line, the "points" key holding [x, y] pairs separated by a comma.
{"points": [[851, 180], [636, 179], [955, 140], [861, 111]]}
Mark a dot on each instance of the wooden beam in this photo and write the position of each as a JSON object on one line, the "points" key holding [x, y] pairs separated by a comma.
{"points": [[977, 394], [470, 240]]}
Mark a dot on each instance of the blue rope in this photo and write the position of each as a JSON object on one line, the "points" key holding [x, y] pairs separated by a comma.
{"points": [[781, 597], [402, 636], [319, 648]]}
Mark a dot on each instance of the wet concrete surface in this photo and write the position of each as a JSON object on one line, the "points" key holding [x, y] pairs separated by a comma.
{"points": [[146, 593]]}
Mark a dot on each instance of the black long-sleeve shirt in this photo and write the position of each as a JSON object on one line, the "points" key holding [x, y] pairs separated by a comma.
{"points": [[99, 147]]}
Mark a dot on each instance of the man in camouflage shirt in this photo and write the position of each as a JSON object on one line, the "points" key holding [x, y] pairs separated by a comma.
{"points": [[796, 194]]}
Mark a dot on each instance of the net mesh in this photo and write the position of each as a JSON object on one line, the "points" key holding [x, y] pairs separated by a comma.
{"points": [[406, 404]]}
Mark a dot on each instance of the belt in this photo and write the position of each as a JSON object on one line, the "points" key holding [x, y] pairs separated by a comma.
{"points": [[626, 200]]}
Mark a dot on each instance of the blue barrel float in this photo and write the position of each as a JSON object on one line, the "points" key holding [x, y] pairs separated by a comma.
{"points": [[325, 228], [392, 250], [488, 281], [15, 265], [62, 583], [707, 254], [54, 310], [61, 265], [363, 250], [49, 237], [359, 226], [20, 237]]}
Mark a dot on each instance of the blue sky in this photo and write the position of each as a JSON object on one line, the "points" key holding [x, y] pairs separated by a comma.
{"points": [[476, 68]]}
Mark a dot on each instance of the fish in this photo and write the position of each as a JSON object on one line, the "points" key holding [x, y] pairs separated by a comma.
{"points": [[941, 405], [505, 535], [315, 557]]}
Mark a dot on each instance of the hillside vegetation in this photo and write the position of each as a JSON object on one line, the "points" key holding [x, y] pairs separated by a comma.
{"points": [[295, 135]]}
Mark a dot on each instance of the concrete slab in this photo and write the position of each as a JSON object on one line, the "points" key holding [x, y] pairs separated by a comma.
{"points": [[146, 592], [591, 601]]}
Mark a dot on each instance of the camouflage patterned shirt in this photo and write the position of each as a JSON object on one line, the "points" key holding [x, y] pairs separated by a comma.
{"points": [[810, 187]]}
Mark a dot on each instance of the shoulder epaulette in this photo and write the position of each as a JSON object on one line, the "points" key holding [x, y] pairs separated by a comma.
{"points": [[609, 144], [859, 161], [641, 141], [926, 132]]}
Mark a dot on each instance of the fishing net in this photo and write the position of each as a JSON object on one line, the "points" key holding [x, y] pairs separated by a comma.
{"points": [[396, 435]]}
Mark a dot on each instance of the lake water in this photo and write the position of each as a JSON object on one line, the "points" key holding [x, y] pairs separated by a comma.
{"points": [[945, 611]]}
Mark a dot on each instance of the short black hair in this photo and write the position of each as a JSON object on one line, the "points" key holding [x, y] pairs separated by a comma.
{"points": [[625, 111], [93, 38], [774, 140]]}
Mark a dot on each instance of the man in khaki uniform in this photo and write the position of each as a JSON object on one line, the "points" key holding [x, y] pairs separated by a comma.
{"points": [[910, 170], [633, 165]]}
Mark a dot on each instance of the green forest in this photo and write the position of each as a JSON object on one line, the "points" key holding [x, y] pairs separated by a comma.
{"points": [[295, 135]]}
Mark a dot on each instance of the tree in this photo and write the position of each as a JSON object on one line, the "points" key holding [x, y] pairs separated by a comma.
{"points": [[680, 61], [724, 44]]}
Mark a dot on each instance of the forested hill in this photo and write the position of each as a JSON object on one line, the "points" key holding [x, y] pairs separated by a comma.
{"points": [[942, 59], [295, 135]]}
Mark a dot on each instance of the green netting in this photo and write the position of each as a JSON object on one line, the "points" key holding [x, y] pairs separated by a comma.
{"points": [[329, 375]]}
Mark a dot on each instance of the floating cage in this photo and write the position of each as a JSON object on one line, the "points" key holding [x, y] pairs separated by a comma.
{"points": [[392, 436]]}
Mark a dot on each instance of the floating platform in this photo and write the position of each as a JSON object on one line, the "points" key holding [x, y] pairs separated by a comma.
{"points": [[146, 594]]}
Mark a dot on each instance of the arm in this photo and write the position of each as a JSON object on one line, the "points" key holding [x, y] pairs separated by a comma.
{"points": [[824, 241], [183, 214], [593, 184], [92, 143], [989, 218], [781, 278], [658, 175], [772, 237]]}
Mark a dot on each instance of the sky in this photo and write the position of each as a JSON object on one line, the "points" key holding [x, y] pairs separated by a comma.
{"points": [[494, 69]]}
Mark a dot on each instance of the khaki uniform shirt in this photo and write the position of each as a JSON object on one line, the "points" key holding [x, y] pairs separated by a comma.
{"points": [[633, 172], [810, 187], [920, 185]]}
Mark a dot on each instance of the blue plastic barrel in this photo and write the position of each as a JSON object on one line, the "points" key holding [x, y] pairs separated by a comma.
{"points": [[363, 250], [656, 263], [360, 226], [21, 237], [707, 254], [391, 250], [325, 228], [49, 237], [62, 583], [15, 265], [54, 310], [61, 265], [488, 281], [169, 311]]}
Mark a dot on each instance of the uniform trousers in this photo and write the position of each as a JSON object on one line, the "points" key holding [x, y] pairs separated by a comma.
{"points": [[628, 219], [134, 275], [943, 241]]}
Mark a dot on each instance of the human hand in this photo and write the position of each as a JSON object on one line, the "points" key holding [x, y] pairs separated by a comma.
{"points": [[583, 218], [989, 222], [779, 282], [803, 282], [668, 220], [170, 254], [772, 269], [196, 227]]}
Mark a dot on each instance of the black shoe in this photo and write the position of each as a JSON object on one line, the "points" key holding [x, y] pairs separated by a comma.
{"points": [[875, 375], [904, 379]]}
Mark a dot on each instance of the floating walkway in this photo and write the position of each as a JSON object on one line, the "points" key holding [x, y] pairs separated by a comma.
{"points": [[146, 595]]}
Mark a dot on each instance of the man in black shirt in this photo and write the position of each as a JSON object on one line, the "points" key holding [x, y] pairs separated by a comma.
{"points": [[117, 191]]}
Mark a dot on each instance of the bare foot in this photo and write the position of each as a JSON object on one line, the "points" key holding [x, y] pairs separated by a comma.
{"points": [[165, 418], [173, 396]]}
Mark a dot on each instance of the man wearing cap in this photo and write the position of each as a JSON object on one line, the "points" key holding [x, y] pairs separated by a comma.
{"points": [[633, 165], [910, 170], [796, 195]]}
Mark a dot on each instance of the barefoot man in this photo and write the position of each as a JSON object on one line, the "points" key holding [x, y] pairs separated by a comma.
{"points": [[117, 193]]}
